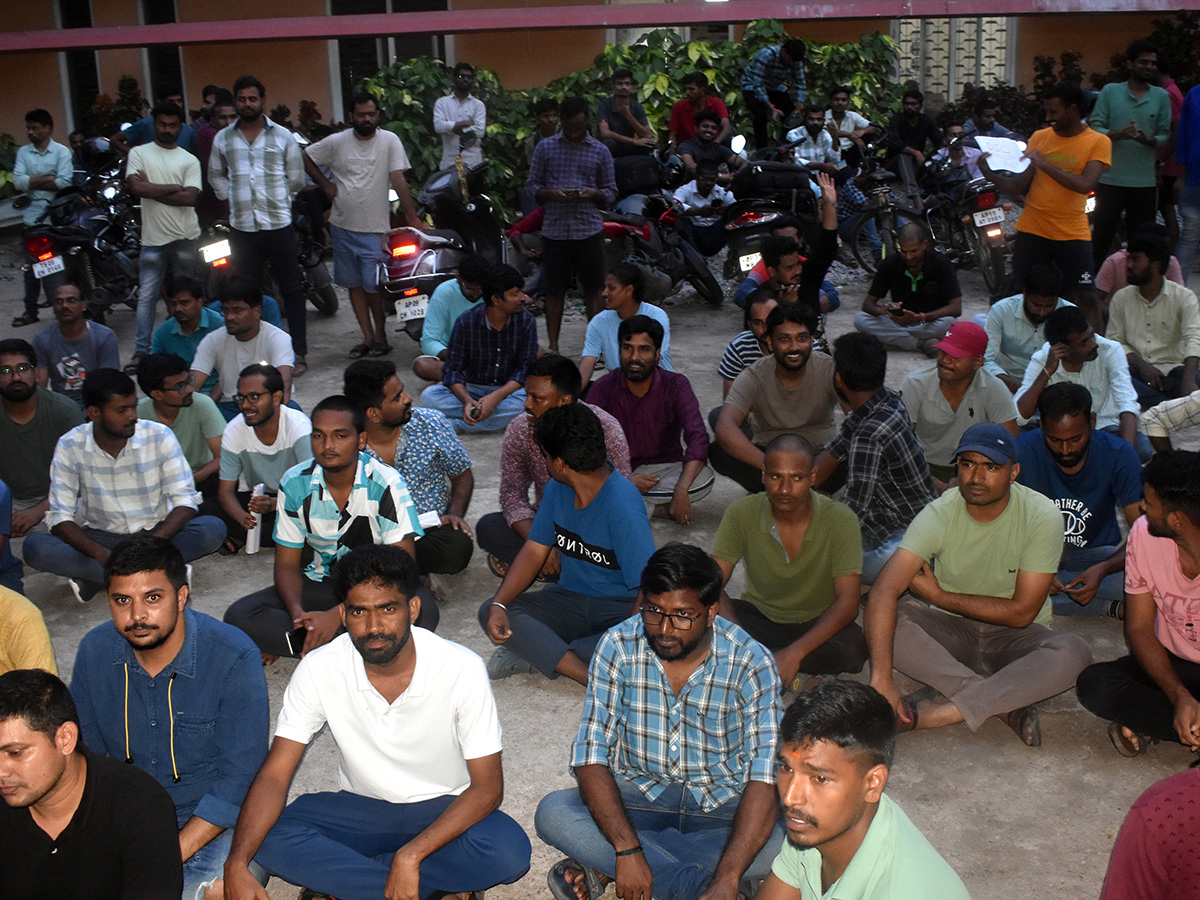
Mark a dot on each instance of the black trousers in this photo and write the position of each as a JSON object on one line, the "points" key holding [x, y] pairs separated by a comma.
{"points": [[722, 461], [1122, 691], [760, 113], [1139, 204], [280, 248], [443, 551], [846, 651], [495, 536]]}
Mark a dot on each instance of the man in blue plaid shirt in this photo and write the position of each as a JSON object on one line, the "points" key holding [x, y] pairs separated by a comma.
{"points": [[675, 756], [765, 85]]}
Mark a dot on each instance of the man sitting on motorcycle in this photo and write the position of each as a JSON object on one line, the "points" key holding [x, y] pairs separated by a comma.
{"points": [[704, 146]]}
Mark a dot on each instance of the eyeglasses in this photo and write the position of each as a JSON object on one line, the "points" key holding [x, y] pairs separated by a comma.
{"points": [[252, 397], [188, 382], [19, 369], [654, 617]]}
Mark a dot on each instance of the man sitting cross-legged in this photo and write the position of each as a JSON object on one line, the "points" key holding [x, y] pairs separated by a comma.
{"points": [[977, 564], [171, 399], [674, 757], [419, 769], [1016, 325], [845, 836], [596, 520], [803, 556]]}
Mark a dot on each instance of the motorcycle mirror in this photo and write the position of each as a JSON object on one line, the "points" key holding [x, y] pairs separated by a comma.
{"points": [[738, 144], [124, 126], [393, 196], [21, 202]]}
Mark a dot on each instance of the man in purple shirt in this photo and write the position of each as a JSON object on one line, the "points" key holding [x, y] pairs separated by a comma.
{"points": [[572, 177], [654, 407]]}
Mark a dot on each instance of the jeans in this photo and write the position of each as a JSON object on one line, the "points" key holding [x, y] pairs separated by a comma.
{"points": [[681, 842], [341, 844], [50, 553], [1142, 445], [876, 555], [207, 864], [444, 400], [33, 289], [1189, 228], [1075, 560], [1171, 386], [153, 263]]}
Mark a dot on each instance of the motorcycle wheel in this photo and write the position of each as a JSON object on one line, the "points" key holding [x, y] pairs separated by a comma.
{"points": [[318, 287], [699, 276], [860, 246], [990, 262]]}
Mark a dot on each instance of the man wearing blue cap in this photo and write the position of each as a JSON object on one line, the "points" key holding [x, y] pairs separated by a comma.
{"points": [[974, 570]]}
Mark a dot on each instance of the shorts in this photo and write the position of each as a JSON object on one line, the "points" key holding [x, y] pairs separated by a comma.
{"points": [[1073, 258], [583, 257], [356, 258]]}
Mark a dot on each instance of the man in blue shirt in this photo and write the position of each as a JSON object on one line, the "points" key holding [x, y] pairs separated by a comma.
{"points": [[176, 693], [596, 519], [190, 320], [142, 131], [765, 85]]}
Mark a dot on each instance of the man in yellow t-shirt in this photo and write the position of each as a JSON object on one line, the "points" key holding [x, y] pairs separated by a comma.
{"points": [[1066, 161]]}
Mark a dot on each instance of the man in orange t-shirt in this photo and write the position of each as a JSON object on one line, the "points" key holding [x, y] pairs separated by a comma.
{"points": [[1065, 164]]}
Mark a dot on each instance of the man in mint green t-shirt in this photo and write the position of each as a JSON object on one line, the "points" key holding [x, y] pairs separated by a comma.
{"points": [[974, 569]]}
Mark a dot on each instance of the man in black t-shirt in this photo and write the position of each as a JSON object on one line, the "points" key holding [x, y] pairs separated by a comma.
{"points": [[926, 298]]}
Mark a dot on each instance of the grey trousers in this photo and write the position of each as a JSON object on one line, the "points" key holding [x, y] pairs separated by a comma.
{"points": [[902, 337], [983, 669]]}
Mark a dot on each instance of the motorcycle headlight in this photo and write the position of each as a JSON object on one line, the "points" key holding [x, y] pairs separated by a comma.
{"points": [[110, 192]]}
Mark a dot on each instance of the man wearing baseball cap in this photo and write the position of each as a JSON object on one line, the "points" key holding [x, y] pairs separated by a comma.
{"points": [[948, 396], [962, 605]]}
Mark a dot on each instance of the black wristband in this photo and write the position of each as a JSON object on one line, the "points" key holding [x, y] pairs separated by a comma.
{"points": [[630, 851]]}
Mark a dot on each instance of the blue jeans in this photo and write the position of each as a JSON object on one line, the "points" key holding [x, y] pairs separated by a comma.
{"points": [[342, 844], [1189, 228], [875, 556], [49, 553], [441, 398], [153, 262], [207, 864], [681, 842], [1074, 560]]}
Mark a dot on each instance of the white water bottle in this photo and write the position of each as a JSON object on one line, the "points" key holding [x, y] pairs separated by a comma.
{"points": [[254, 535]]}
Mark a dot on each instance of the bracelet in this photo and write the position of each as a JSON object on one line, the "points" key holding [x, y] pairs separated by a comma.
{"points": [[1047, 372], [499, 604], [630, 851]]}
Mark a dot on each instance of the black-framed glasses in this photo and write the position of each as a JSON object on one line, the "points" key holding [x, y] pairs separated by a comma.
{"points": [[188, 382], [252, 397], [653, 617], [18, 369]]}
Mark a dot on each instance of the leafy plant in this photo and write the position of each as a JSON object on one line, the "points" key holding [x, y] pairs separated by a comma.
{"points": [[108, 115], [8, 159], [281, 114], [309, 116]]}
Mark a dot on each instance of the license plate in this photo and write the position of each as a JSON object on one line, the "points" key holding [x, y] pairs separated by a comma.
{"points": [[1089, 205], [412, 307], [749, 261], [989, 216], [213, 252], [48, 267]]}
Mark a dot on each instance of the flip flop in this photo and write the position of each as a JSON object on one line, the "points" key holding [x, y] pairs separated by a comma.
{"points": [[1124, 745], [379, 348], [358, 351], [910, 703], [562, 889], [1025, 724]]}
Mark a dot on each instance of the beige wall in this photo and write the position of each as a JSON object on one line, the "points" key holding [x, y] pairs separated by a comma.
{"points": [[1097, 37]]}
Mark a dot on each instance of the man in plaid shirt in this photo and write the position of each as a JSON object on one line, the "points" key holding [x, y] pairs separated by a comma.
{"points": [[765, 85], [675, 756]]}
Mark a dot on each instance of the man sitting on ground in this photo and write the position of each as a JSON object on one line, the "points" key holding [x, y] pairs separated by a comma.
{"points": [[1015, 325], [887, 479], [1114, 271], [1088, 474], [552, 381], [996, 545], [216, 690], [112, 477], [747, 347], [596, 519], [1158, 422], [701, 819], [624, 296], [449, 300], [73, 346], [656, 408], [421, 445], [783, 266], [419, 770], [803, 556], [189, 322], [193, 418]]}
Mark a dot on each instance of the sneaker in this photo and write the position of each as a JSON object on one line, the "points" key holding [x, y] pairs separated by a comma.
{"points": [[75, 592], [504, 664], [189, 576]]}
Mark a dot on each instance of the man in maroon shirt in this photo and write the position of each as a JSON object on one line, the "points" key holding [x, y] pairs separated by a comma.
{"points": [[655, 408]]}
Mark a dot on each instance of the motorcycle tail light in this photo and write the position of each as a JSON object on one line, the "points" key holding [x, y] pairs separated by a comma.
{"points": [[752, 218], [223, 261], [986, 200], [994, 232], [411, 292], [39, 246], [404, 250]]}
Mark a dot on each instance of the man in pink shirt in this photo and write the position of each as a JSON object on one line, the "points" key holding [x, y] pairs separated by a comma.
{"points": [[1152, 694]]}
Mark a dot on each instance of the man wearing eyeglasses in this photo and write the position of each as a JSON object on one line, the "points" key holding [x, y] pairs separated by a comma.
{"points": [[675, 755], [194, 419]]}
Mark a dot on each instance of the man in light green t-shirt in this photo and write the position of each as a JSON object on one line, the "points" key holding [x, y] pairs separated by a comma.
{"points": [[195, 420], [845, 837], [803, 557], [977, 565]]}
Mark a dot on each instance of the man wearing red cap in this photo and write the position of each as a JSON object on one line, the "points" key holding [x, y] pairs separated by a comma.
{"points": [[947, 397]]}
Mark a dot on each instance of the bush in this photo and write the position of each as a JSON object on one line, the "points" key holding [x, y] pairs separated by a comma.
{"points": [[108, 115]]}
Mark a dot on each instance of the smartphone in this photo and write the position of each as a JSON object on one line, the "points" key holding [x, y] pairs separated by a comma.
{"points": [[572, 192], [295, 640], [896, 311]]}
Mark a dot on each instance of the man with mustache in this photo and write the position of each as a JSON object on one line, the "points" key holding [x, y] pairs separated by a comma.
{"points": [[176, 693], [667, 805]]}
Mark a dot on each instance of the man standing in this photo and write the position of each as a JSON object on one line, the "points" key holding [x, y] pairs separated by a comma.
{"points": [[194, 419], [216, 697], [1015, 325], [256, 166], [365, 162], [43, 167], [624, 129], [74, 823], [421, 445], [222, 114], [1136, 116], [845, 837], [32, 419], [419, 771], [1187, 182], [977, 564], [913, 136], [655, 408], [765, 84], [189, 323], [1088, 474], [624, 297], [167, 179], [926, 298], [461, 120], [682, 124], [74, 346], [449, 300], [142, 131], [572, 177], [111, 478], [697, 819]]}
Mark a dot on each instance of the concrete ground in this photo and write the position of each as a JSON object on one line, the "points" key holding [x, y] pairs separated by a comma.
{"points": [[1011, 820]]}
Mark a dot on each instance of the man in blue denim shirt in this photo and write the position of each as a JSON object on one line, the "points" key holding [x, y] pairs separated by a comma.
{"points": [[177, 693]]}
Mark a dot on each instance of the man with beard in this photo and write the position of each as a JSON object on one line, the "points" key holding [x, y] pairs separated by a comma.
{"points": [[624, 129], [963, 607], [32, 419], [656, 408], [189, 322], [1014, 325], [815, 147], [194, 419], [1088, 474], [205, 735], [845, 837], [703, 145], [1152, 693], [113, 477], [747, 347], [419, 771], [913, 135], [365, 162], [421, 445], [73, 346], [668, 806], [789, 392]]}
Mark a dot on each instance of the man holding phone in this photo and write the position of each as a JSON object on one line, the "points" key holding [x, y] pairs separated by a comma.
{"points": [[703, 201]]}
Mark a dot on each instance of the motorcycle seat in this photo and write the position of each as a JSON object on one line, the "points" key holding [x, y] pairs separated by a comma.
{"points": [[879, 178], [625, 219], [442, 235]]}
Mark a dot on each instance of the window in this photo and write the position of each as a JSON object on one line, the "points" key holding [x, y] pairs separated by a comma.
{"points": [[83, 79], [162, 60]]}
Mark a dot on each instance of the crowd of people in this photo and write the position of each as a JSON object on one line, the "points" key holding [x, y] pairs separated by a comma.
{"points": [[1026, 472]]}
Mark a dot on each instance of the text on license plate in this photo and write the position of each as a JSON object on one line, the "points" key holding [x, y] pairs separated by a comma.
{"points": [[412, 307], [989, 216], [48, 267], [1089, 205], [215, 251], [749, 261]]}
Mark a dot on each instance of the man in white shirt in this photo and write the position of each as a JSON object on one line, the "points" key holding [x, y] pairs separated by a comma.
{"points": [[703, 201], [461, 120], [418, 741]]}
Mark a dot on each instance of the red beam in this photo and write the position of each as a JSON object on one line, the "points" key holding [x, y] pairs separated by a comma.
{"points": [[544, 17]]}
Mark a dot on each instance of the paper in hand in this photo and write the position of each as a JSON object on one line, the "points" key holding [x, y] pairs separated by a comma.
{"points": [[1005, 155]]}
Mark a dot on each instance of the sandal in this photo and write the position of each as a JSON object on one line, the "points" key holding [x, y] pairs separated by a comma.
{"points": [[358, 351], [1025, 724], [131, 367], [230, 547], [379, 348], [24, 319], [497, 566], [564, 889], [911, 702], [1124, 744]]}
